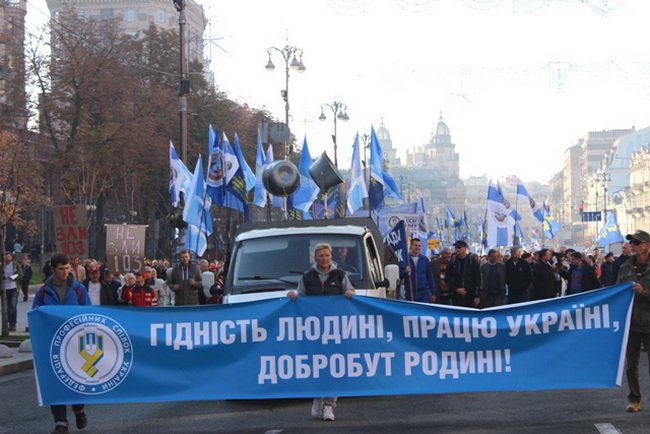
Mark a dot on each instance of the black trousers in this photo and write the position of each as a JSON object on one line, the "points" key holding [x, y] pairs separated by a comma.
{"points": [[60, 412]]}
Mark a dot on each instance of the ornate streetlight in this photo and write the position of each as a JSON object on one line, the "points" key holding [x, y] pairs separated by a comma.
{"points": [[340, 112], [601, 178], [295, 55]]}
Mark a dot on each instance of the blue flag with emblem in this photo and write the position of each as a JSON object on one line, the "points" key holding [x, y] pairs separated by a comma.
{"points": [[610, 233], [499, 221], [236, 196], [215, 182]]}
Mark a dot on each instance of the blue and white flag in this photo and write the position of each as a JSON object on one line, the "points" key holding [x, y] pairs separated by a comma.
{"points": [[610, 233], [357, 190], [180, 178], [326, 346], [215, 182], [382, 183], [511, 210], [249, 176], [423, 224], [535, 241], [550, 225], [524, 197], [260, 196], [307, 193], [197, 212], [396, 237], [500, 223]]}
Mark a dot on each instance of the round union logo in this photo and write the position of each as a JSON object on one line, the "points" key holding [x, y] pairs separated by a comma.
{"points": [[91, 354]]}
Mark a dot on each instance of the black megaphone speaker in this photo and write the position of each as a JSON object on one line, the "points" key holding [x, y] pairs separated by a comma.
{"points": [[324, 173], [281, 178]]}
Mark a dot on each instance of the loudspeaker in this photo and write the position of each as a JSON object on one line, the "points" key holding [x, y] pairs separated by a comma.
{"points": [[324, 173], [281, 178]]}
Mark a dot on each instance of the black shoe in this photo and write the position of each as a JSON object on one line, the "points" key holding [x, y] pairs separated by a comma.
{"points": [[25, 299], [12, 329], [60, 429], [82, 420]]}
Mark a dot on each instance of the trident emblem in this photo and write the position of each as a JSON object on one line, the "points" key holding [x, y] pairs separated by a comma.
{"points": [[91, 348]]}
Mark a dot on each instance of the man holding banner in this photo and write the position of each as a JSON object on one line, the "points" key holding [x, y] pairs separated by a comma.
{"points": [[636, 270], [62, 289]]}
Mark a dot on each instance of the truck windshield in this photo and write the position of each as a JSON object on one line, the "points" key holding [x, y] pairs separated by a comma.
{"points": [[276, 263]]}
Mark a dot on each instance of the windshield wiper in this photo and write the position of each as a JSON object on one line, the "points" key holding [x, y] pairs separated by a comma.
{"points": [[268, 278]]}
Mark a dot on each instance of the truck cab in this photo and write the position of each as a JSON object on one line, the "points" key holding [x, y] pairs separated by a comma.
{"points": [[268, 259]]}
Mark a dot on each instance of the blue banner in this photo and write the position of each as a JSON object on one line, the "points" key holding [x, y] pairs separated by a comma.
{"points": [[326, 346]]}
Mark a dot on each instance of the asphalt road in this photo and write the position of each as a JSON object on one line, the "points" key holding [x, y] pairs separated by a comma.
{"points": [[551, 411]]}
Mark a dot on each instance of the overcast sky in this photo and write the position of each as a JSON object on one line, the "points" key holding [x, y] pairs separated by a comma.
{"points": [[485, 67]]}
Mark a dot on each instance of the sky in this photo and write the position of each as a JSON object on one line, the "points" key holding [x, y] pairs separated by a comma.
{"points": [[484, 64]]}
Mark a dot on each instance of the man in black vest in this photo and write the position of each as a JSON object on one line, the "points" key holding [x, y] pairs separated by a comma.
{"points": [[323, 279]]}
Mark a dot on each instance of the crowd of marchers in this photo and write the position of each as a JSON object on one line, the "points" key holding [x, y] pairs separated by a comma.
{"points": [[157, 284], [462, 278]]}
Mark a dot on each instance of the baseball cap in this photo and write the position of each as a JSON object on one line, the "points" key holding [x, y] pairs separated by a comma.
{"points": [[642, 236], [460, 243], [141, 273]]}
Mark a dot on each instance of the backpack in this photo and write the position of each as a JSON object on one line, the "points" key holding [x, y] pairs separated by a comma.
{"points": [[80, 299]]}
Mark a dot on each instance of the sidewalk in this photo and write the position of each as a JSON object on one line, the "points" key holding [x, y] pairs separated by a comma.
{"points": [[20, 361]]}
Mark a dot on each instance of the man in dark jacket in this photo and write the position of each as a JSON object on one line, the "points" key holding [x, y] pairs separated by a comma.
{"points": [[581, 276], [439, 269], [544, 285], [626, 254], [185, 281], [493, 281], [519, 275], [637, 270], [27, 278], [463, 277], [607, 274]]}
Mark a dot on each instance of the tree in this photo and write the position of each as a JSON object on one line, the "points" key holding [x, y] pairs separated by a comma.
{"points": [[21, 193]]}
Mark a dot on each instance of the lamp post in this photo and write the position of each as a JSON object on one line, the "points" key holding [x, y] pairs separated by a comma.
{"points": [[340, 112], [601, 179], [294, 54]]}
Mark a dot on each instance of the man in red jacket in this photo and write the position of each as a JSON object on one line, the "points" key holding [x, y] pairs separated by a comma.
{"points": [[143, 294]]}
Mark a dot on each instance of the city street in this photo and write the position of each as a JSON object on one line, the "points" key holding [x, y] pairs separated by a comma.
{"points": [[555, 411]]}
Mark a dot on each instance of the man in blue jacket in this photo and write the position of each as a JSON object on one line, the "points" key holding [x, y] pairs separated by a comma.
{"points": [[62, 289], [417, 276]]}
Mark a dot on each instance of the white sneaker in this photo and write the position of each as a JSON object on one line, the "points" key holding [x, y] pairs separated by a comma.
{"points": [[317, 408], [328, 412]]}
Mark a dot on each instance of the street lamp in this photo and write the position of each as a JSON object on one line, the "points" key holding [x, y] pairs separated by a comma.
{"points": [[295, 54], [340, 112], [602, 178]]}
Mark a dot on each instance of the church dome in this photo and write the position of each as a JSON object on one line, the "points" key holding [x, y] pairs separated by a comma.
{"points": [[382, 132], [442, 129]]}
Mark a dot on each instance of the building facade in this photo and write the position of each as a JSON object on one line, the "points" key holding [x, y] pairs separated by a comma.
{"points": [[136, 16], [13, 101]]}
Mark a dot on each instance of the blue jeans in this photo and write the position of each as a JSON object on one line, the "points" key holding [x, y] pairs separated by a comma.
{"points": [[12, 306]]}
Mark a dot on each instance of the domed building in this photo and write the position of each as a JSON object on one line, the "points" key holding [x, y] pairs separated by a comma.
{"points": [[441, 155], [390, 153]]}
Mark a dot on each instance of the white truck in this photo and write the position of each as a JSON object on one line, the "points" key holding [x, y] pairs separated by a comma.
{"points": [[268, 258]]}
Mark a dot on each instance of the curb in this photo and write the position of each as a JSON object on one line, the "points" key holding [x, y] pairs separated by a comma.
{"points": [[16, 367]]}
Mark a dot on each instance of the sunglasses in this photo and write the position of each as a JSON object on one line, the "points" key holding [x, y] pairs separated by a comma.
{"points": [[636, 242]]}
